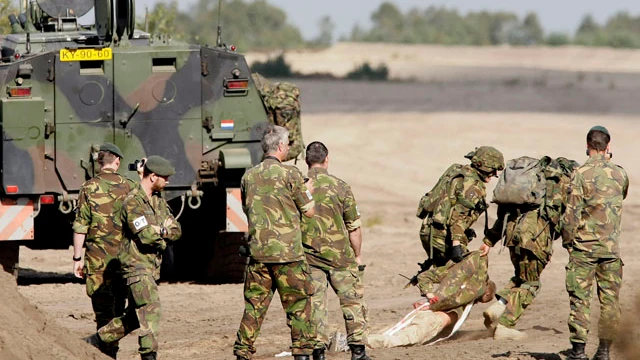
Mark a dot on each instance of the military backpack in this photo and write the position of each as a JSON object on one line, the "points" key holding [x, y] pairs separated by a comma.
{"points": [[438, 202], [536, 183]]}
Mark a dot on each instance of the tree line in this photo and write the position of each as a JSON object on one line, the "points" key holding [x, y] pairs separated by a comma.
{"points": [[258, 25], [440, 25]]}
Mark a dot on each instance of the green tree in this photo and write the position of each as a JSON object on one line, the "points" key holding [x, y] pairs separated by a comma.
{"points": [[253, 25], [531, 25], [165, 19], [587, 25], [558, 39], [326, 26]]}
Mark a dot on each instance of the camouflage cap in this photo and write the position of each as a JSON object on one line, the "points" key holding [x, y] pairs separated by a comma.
{"points": [[159, 166], [112, 148], [601, 129], [486, 159]]}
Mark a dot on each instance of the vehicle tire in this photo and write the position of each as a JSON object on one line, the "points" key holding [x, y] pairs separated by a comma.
{"points": [[227, 266]]}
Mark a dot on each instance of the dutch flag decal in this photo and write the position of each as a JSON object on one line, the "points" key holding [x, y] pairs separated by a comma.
{"points": [[226, 124]]}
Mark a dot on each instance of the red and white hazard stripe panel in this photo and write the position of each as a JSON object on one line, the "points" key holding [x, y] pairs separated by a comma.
{"points": [[16, 219], [236, 219]]}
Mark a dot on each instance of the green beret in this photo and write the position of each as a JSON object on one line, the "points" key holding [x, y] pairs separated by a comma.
{"points": [[159, 166], [112, 148], [601, 129]]}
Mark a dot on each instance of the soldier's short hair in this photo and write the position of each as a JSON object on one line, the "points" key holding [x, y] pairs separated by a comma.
{"points": [[106, 158], [316, 153], [598, 140], [273, 136]]}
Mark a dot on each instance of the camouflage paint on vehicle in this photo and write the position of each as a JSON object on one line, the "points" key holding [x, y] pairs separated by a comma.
{"points": [[196, 106]]}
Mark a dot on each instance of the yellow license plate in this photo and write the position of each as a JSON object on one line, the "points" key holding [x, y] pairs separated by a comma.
{"points": [[85, 54]]}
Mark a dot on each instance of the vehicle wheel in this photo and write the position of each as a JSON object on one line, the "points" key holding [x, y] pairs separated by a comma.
{"points": [[226, 265]]}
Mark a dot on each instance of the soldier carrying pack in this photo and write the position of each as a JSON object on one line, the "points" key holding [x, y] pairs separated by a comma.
{"points": [[528, 183], [282, 101]]}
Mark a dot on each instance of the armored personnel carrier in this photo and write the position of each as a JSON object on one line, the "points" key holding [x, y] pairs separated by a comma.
{"points": [[67, 88]]}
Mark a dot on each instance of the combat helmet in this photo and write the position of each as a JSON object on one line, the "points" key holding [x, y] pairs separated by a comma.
{"points": [[487, 160]]}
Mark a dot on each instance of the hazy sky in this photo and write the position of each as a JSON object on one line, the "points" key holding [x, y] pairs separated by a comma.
{"points": [[555, 15]]}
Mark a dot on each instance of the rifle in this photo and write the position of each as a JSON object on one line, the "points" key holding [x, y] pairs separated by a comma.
{"points": [[424, 266]]}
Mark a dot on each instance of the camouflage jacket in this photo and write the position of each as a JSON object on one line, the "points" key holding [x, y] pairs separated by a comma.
{"points": [[456, 284], [467, 194], [273, 197], [99, 204], [325, 237], [524, 228], [148, 224], [470, 193], [594, 211]]}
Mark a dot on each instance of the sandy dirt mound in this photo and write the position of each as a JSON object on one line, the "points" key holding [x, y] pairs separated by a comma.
{"points": [[28, 334]]}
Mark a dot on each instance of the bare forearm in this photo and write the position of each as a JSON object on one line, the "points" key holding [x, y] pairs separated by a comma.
{"points": [[355, 238], [78, 243]]}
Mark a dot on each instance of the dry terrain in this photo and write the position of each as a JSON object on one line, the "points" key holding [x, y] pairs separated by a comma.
{"points": [[391, 154]]}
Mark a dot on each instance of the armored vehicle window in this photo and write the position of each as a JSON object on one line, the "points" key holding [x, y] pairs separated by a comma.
{"points": [[164, 64], [92, 67]]}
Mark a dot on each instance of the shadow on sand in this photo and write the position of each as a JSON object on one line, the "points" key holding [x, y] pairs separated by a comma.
{"points": [[35, 277]]}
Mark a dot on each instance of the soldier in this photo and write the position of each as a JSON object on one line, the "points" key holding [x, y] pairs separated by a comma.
{"points": [[332, 240], [274, 197], [529, 231], [446, 230], [590, 235], [97, 227], [530, 248], [448, 290], [148, 225]]}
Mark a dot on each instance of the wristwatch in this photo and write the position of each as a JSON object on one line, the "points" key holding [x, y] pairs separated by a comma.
{"points": [[77, 258]]}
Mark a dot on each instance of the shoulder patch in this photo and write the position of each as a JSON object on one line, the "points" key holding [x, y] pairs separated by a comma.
{"points": [[140, 223]]}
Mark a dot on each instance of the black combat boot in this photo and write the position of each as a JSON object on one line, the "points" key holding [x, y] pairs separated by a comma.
{"points": [[358, 352], [603, 350], [149, 356], [577, 352], [318, 354], [104, 348], [300, 357]]}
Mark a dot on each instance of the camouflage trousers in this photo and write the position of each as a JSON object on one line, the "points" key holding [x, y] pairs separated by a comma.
{"points": [[347, 285], [582, 270], [108, 295], [143, 312], [523, 287], [293, 283], [436, 242]]}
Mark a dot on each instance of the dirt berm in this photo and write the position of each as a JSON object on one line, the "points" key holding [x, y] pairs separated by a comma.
{"points": [[26, 333]]}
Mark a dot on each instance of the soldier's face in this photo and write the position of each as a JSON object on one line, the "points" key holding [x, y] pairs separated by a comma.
{"points": [[284, 148], [159, 183]]}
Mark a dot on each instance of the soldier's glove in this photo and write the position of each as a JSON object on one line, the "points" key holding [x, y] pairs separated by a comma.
{"points": [[456, 253], [470, 234]]}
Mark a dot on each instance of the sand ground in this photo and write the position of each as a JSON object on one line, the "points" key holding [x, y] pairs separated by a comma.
{"points": [[391, 154], [389, 159]]}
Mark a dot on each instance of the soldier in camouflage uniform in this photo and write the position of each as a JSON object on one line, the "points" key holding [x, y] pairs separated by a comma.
{"points": [[448, 290], [97, 227], [148, 226], [332, 240], [282, 101], [274, 197], [529, 232], [467, 192], [591, 235]]}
